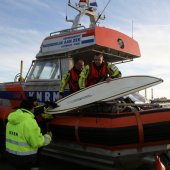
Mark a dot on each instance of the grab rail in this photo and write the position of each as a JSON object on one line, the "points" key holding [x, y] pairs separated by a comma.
{"points": [[66, 30]]}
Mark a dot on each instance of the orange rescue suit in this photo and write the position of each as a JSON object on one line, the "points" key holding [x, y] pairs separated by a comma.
{"points": [[96, 75]]}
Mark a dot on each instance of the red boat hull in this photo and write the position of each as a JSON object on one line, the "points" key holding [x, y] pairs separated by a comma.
{"points": [[114, 131]]}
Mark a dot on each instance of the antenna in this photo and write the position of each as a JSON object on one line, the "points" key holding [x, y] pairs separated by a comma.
{"points": [[66, 8], [146, 94], [152, 93], [103, 5], [102, 11], [69, 3], [132, 28]]}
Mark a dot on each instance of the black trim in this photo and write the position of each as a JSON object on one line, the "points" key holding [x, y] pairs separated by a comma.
{"points": [[112, 136], [157, 131]]}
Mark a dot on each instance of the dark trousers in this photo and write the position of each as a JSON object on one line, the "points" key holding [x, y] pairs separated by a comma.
{"points": [[22, 162]]}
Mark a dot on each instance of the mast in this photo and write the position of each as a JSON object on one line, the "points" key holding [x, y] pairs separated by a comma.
{"points": [[84, 7]]}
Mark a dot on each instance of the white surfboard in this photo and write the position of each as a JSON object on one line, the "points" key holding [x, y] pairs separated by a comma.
{"points": [[136, 97], [104, 91]]}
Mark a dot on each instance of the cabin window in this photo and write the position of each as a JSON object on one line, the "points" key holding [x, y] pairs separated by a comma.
{"points": [[45, 70]]}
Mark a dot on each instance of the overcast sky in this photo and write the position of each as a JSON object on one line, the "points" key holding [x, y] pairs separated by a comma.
{"points": [[24, 24]]}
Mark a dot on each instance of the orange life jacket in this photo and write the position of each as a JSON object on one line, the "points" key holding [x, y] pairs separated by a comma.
{"points": [[95, 75], [73, 81]]}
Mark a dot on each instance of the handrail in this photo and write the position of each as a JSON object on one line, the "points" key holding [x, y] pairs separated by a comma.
{"points": [[66, 30]]}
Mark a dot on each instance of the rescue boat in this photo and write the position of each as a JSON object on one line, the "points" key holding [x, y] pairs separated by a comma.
{"points": [[102, 135]]}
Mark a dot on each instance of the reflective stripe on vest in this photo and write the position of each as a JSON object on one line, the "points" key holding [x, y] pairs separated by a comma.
{"points": [[21, 153], [19, 144]]}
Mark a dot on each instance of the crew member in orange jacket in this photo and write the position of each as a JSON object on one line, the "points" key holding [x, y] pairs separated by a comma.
{"points": [[71, 78], [98, 71]]}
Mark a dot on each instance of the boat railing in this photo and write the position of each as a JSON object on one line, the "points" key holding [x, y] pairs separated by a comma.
{"points": [[65, 31]]}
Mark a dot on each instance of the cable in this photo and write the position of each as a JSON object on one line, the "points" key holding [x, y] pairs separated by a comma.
{"points": [[102, 11]]}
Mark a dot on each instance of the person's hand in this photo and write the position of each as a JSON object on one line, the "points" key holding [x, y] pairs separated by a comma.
{"points": [[108, 79], [60, 97], [51, 104], [50, 134]]}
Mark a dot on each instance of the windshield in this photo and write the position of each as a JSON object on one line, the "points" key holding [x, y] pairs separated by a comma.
{"points": [[45, 70]]}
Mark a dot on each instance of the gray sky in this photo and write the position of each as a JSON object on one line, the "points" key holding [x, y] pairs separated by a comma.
{"points": [[24, 24]]}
